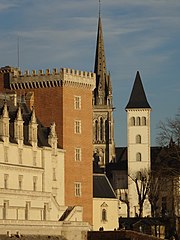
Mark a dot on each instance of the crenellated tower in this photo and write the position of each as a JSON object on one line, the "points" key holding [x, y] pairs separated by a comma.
{"points": [[103, 122]]}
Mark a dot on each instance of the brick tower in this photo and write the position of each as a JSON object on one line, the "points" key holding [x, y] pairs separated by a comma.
{"points": [[63, 97]]}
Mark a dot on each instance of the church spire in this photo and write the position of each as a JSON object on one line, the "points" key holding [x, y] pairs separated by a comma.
{"points": [[100, 60], [103, 90]]}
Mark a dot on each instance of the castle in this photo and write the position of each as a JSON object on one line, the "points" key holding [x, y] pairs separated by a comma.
{"points": [[77, 108]]}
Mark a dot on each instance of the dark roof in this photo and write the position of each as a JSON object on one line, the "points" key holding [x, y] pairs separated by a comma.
{"points": [[138, 97], [102, 187], [121, 154], [42, 131]]}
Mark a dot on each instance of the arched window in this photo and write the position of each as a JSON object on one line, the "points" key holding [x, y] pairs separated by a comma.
{"points": [[96, 130], [138, 139], [101, 129], [138, 121], [104, 215], [138, 157], [132, 121], [144, 121]]}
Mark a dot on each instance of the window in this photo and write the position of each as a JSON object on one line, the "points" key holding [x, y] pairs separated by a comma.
{"points": [[77, 126], [138, 121], [138, 139], [101, 129], [78, 189], [45, 210], [34, 183], [6, 176], [77, 154], [132, 121], [27, 207], [5, 207], [77, 102], [138, 157], [144, 121], [20, 179], [104, 215], [96, 130]]}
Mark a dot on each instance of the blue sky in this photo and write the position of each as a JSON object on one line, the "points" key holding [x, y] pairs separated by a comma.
{"points": [[141, 35]]}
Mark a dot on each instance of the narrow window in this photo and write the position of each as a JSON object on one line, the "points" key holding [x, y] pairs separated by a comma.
{"points": [[132, 121], [77, 126], [138, 157], [78, 189], [144, 121], [104, 215], [96, 130], [45, 210], [34, 183], [20, 179], [5, 207], [138, 121], [138, 139], [101, 129], [77, 102], [27, 207], [77, 154]]}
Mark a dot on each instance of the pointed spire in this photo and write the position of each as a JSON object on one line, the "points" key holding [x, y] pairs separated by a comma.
{"points": [[5, 113], [33, 116], [19, 114], [99, 8], [100, 60], [138, 97]]}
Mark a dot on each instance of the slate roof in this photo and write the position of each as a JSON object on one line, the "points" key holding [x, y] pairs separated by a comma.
{"points": [[42, 132], [138, 97], [102, 187]]}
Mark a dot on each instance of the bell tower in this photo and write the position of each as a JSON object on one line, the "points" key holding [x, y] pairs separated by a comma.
{"points": [[138, 135], [103, 121]]}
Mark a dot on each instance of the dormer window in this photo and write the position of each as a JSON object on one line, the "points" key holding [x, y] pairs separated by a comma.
{"points": [[33, 129], [4, 124], [18, 127]]}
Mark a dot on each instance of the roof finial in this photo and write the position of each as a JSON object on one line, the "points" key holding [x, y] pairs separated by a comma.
{"points": [[99, 8]]}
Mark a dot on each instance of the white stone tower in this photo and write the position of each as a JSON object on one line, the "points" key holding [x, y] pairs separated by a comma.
{"points": [[138, 130]]}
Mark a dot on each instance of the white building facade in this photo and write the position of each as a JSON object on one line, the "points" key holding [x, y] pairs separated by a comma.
{"points": [[32, 178]]}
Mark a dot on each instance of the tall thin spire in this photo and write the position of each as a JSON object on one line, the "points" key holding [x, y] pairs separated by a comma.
{"points": [[100, 60], [99, 8]]}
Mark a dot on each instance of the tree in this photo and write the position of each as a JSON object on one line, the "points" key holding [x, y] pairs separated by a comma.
{"points": [[169, 164], [169, 135], [142, 184], [124, 198]]}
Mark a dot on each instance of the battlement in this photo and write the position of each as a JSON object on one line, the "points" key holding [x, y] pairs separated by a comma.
{"points": [[46, 78]]}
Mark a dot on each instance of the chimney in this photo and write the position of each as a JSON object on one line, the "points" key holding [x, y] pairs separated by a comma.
{"points": [[29, 98]]}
